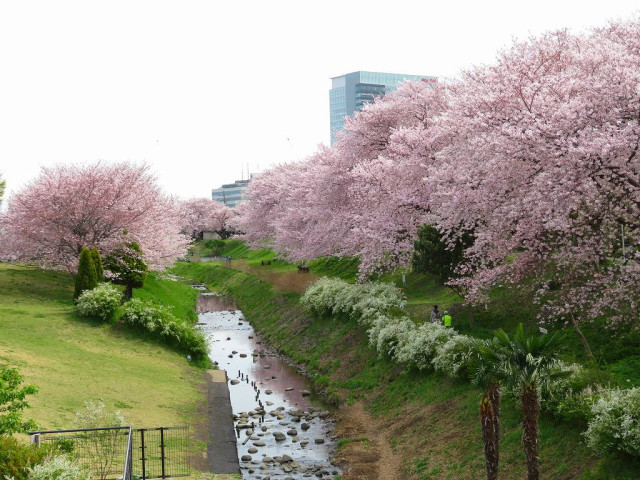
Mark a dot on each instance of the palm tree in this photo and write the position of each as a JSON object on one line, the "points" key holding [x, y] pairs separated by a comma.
{"points": [[485, 364], [525, 363]]}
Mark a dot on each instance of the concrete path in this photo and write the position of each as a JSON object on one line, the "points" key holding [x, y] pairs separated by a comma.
{"points": [[221, 448]]}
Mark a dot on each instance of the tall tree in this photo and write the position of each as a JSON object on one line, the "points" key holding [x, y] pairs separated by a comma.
{"points": [[70, 207]]}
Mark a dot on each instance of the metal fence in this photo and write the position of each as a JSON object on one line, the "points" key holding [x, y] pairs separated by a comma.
{"points": [[105, 452], [120, 452], [161, 452]]}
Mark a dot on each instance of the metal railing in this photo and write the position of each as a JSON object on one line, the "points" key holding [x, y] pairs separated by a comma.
{"points": [[161, 452], [105, 452], [114, 453]]}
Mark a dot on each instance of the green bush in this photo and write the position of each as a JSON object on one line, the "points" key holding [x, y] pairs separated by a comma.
{"points": [[216, 247], [86, 278], [160, 322], [58, 468], [100, 303], [16, 458]]}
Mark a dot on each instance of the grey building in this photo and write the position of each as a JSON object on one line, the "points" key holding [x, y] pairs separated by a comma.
{"points": [[230, 194], [350, 92]]}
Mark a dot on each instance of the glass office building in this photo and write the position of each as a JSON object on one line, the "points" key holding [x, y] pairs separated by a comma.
{"points": [[230, 194], [350, 92]]}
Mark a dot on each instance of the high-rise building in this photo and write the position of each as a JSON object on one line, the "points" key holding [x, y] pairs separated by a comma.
{"points": [[230, 194], [350, 92]]}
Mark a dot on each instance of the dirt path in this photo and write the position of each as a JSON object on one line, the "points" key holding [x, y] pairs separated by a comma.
{"points": [[368, 454]]}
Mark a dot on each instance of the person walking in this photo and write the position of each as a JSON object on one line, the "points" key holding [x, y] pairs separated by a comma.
{"points": [[446, 319], [436, 317]]}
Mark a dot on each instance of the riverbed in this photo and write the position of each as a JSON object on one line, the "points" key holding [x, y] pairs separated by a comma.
{"points": [[284, 432]]}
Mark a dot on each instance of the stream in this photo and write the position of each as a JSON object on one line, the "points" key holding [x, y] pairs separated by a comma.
{"points": [[284, 431]]}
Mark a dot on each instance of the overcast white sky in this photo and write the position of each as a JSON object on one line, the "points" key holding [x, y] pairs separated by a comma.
{"points": [[200, 89]]}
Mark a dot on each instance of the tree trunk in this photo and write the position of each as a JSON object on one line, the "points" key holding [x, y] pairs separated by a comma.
{"points": [[470, 308], [494, 397], [585, 344], [531, 410], [489, 417], [128, 293]]}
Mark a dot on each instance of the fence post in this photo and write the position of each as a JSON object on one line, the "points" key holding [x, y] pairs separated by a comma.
{"points": [[35, 440], [162, 450], [143, 457]]}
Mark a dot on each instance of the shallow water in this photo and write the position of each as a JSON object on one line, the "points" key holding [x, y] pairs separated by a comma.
{"points": [[258, 376]]}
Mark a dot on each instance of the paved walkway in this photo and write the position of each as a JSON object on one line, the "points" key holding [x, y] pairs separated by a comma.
{"points": [[221, 448]]}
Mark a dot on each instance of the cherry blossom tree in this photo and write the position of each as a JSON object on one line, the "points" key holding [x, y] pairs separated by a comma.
{"points": [[536, 154], [70, 207], [203, 214]]}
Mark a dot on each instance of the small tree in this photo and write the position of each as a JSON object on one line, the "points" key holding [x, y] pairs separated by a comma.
{"points": [[127, 267], [486, 376], [104, 447], [86, 277], [12, 402], [525, 364], [432, 255], [97, 262]]}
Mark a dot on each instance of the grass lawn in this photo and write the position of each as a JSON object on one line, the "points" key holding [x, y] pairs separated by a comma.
{"points": [[72, 360]]}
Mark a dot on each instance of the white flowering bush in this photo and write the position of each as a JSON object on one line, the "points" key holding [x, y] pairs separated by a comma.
{"points": [[320, 297], [377, 297], [100, 302], [420, 347], [388, 334], [453, 357], [60, 467], [159, 321], [615, 422], [332, 296]]}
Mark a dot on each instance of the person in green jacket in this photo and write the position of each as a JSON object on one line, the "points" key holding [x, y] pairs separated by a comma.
{"points": [[446, 319]]}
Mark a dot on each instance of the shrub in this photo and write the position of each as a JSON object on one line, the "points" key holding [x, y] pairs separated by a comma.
{"points": [[58, 468], [95, 415], [574, 406], [320, 297], [16, 458], [387, 334], [100, 303], [420, 347], [86, 277], [160, 322], [453, 358], [615, 423], [216, 247], [332, 296]]}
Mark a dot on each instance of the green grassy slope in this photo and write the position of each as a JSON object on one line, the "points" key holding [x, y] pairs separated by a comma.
{"points": [[433, 420], [72, 360]]}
